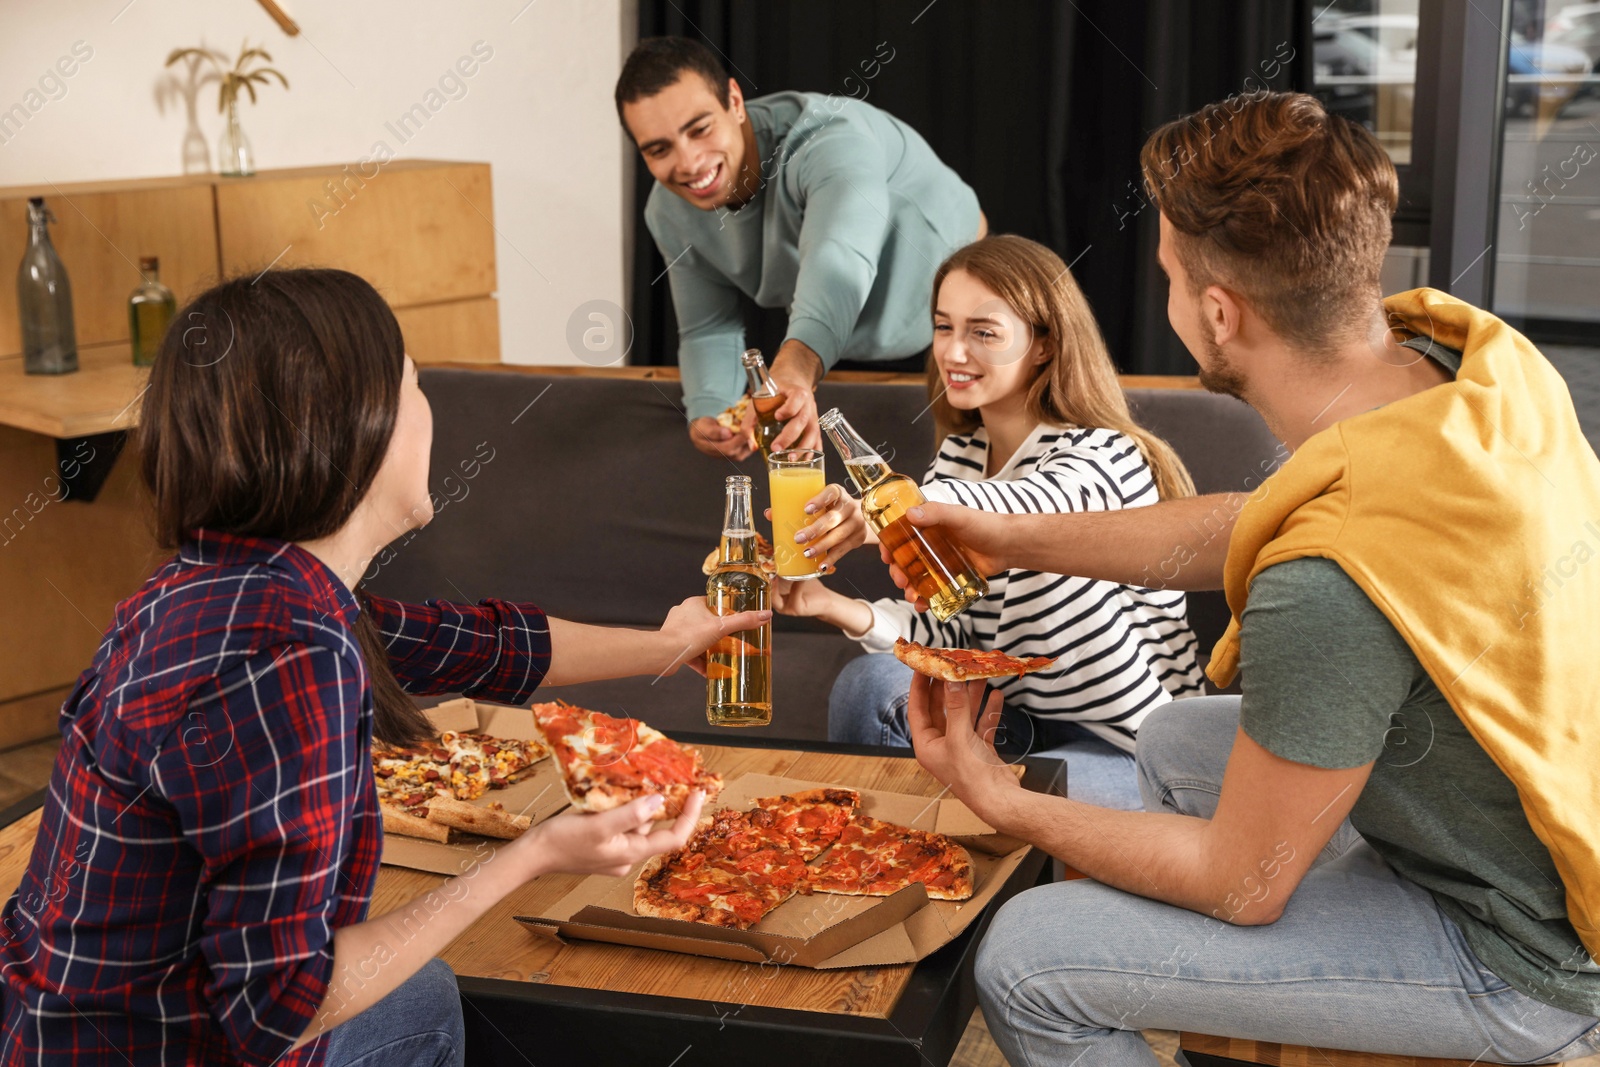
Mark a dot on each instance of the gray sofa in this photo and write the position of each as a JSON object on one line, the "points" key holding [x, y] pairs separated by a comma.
{"points": [[584, 496]]}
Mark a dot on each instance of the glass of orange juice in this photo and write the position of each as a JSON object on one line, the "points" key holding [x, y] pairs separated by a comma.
{"points": [[795, 476]]}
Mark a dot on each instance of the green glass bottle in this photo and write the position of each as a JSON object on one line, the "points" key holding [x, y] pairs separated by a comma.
{"points": [[150, 310]]}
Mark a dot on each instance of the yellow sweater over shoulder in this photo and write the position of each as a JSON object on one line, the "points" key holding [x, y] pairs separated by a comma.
{"points": [[1470, 514]]}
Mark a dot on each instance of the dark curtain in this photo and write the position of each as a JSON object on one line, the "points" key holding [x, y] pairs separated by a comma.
{"points": [[1040, 106]]}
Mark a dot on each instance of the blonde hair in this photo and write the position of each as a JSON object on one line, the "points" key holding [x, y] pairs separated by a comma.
{"points": [[1076, 384]]}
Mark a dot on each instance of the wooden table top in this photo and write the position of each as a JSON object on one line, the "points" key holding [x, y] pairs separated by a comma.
{"points": [[496, 946]]}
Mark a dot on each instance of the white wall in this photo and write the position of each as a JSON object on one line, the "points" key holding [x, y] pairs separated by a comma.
{"points": [[538, 110]]}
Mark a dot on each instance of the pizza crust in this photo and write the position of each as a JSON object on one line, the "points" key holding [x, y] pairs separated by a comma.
{"points": [[406, 824], [484, 821], [931, 662]]}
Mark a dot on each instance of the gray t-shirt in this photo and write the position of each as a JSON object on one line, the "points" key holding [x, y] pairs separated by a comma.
{"points": [[1328, 681]]}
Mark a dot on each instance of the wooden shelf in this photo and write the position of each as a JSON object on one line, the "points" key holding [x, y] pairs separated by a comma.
{"points": [[98, 397]]}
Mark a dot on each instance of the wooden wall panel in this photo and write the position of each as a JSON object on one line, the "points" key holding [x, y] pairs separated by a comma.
{"points": [[100, 237], [31, 718], [418, 230], [462, 331], [63, 564]]}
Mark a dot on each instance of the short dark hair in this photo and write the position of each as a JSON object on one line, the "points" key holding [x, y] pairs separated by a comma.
{"points": [[657, 62], [268, 414], [1281, 201]]}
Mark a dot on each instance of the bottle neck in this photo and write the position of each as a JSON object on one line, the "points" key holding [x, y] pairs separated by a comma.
{"points": [[861, 461], [761, 383], [738, 528], [38, 226]]}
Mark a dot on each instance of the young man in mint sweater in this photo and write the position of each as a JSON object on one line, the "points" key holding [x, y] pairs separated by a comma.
{"points": [[820, 204]]}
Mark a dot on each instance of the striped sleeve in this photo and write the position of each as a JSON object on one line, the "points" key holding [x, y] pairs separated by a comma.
{"points": [[495, 650], [896, 618], [1084, 470]]}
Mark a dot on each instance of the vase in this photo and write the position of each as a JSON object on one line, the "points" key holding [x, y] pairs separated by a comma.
{"points": [[233, 150]]}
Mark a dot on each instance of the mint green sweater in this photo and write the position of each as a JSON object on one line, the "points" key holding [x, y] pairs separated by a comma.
{"points": [[854, 215]]}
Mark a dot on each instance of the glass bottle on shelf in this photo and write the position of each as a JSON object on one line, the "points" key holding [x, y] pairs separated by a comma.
{"points": [[739, 666], [932, 561], [765, 399], [150, 309], [44, 300], [234, 157]]}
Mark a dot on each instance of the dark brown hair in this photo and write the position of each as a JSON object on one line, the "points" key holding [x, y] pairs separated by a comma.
{"points": [[1076, 385], [269, 412], [1284, 204], [657, 62]]}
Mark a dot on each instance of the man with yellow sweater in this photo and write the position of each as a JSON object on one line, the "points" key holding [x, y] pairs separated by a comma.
{"points": [[1391, 841]]}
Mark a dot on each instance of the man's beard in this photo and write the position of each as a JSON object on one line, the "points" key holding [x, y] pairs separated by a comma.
{"points": [[1219, 375]]}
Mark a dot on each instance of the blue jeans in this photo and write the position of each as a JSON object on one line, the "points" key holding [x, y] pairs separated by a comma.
{"points": [[1361, 960], [868, 707], [417, 1025]]}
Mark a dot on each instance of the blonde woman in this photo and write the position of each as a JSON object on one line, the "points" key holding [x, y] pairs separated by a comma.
{"points": [[1032, 420]]}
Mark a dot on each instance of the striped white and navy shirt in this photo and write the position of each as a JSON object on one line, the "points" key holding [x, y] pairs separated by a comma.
{"points": [[1120, 650]]}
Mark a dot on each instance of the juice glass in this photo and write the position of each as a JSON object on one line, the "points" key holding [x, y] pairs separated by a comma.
{"points": [[795, 476]]}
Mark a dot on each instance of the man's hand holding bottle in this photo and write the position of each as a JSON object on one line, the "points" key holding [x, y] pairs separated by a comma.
{"points": [[983, 538]]}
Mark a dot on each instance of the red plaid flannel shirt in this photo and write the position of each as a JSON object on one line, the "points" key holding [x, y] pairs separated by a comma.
{"points": [[211, 819]]}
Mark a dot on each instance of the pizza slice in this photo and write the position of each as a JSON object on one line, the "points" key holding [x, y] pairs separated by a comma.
{"points": [[737, 867], [408, 779], [813, 818], [875, 859], [764, 558], [410, 776], [732, 418], [964, 664], [607, 761], [502, 758], [470, 773]]}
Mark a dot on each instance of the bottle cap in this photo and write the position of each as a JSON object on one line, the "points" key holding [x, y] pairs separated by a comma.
{"points": [[149, 263], [36, 201]]}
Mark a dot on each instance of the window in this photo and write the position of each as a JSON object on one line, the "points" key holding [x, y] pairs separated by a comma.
{"points": [[1547, 275]]}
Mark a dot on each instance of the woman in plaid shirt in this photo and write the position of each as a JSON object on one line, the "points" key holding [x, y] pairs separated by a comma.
{"points": [[198, 891]]}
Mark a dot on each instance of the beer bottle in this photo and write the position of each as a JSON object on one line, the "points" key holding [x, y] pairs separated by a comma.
{"points": [[765, 399], [739, 666], [932, 561]]}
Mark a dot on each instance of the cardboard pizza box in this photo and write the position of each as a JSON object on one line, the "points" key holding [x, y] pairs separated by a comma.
{"points": [[538, 794], [824, 930]]}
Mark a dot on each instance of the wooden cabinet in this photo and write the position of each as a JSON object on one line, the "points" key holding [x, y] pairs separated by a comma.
{"points": [[421, 231]]}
